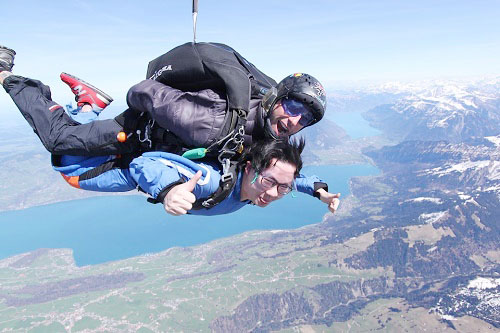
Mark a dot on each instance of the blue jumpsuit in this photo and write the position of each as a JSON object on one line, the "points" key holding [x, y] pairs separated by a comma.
{"points": [[154, 171]]}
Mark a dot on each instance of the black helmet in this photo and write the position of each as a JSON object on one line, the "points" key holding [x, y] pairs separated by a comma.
{"points": [[301, 87]]}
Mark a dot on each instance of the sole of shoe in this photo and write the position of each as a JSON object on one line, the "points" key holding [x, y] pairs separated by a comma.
{"points": [[11, 51], [104, 97], [6, 64]]}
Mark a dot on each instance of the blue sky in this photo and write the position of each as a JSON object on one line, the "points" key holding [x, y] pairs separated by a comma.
{"points": [[109, 43]]}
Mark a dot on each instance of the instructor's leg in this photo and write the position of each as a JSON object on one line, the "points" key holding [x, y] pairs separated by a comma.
{"points": [[57, 131]]}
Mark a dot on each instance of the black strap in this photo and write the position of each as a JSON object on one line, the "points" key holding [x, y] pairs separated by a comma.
{"points": [[121, 162], [164, 140], [130, 120], [116, 163], [317, 186], [229, 124], [226, 186], [163, 193]]}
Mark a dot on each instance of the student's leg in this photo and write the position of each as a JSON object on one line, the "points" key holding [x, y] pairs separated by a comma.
{"points": [[96, 173], [57, 131]]}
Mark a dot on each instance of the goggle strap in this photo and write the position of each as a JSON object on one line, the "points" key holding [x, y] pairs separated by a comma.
{"points": [[255, 178]]}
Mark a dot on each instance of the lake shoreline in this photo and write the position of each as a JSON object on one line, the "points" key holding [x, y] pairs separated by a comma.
{"points": [[105, 228]]}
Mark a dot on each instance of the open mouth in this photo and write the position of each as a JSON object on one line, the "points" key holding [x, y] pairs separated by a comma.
{"points": [[282, 129], [263, 201]]}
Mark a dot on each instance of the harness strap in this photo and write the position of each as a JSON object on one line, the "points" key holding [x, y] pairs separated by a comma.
{"points": [[164, 140], [120, 162], [230, 140], [161, 196], [226, 185]]}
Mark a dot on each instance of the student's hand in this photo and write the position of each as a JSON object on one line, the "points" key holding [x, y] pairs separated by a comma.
{"points": [[180, 198], [332, 200]]}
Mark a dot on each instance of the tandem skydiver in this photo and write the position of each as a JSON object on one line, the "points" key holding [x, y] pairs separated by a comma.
{"points": [[275, 115]]}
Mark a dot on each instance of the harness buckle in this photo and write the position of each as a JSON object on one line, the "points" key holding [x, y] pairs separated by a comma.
{"points": [[242, 113], [227, 177], [224, 157], [207, 203], [226, 163], [147, 133], [232, 146]]}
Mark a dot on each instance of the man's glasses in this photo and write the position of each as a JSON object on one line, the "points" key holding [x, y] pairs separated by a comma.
{"points": [[268, 183], [295, 108]]}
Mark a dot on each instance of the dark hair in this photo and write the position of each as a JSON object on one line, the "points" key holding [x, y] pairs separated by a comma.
{"points": [[261, 153]]}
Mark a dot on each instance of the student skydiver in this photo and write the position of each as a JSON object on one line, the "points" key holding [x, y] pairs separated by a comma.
{"points": [[265, 172]]}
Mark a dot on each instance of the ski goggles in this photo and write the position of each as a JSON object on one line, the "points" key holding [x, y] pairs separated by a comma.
{"points": [[295, 108]]}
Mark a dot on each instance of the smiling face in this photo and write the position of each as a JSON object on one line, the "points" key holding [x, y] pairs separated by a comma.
{"points": [[282, 123], [280, 172]]}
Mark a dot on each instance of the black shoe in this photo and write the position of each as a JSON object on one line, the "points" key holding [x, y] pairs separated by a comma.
{"points": [[6, 58]]}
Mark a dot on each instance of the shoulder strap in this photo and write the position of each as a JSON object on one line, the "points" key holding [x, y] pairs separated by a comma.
{"points": [[226, 185]]}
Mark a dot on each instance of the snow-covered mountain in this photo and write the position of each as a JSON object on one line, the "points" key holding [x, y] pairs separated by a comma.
{"points": [[480, 297], [488, 85], [441, 110]]}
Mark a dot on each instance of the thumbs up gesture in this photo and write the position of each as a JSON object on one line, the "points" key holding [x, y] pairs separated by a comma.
{"points": [[180, 198], [331, 199]]}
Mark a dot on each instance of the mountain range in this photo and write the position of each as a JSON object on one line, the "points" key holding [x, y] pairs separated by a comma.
{"points": [[452, 112]]}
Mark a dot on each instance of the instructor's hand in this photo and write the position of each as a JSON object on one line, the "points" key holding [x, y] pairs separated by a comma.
{"points": [[332, 200], [180, 198]]}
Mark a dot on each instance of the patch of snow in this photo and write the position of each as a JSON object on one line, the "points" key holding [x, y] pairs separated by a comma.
{"points": [[469, 102], [432, 217], [443, 123], [494, 188], [448, 317], [461, 167], [481, 88], [422, 199], [432, 249], [468, 199], [480, 296], [493, 168], [494, 139], [464, 196], [484, 283]]}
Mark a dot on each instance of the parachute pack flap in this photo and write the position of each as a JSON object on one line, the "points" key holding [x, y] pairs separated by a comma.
{"points": [[197, 66]]}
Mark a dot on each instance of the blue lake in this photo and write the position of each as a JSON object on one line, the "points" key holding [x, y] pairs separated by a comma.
{"points": [[353, 123], [111, 228]]}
